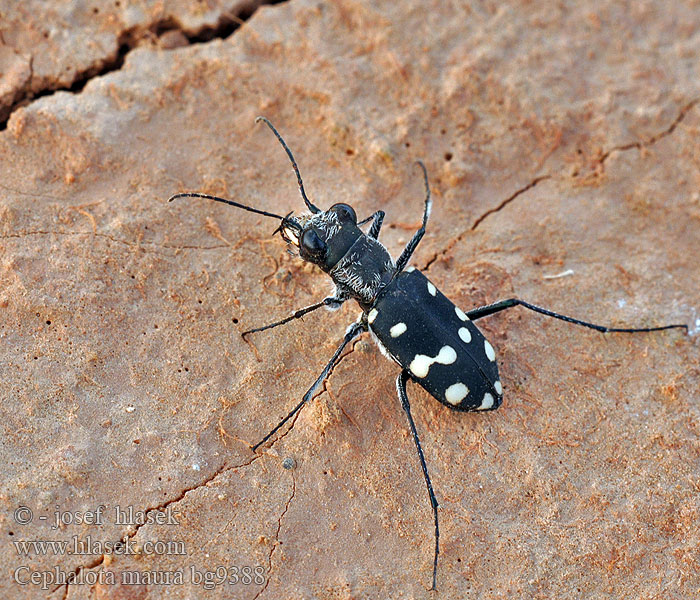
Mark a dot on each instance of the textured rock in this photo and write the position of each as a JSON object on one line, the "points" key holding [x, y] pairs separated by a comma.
{"points": [[559, 141], [62, 44]]}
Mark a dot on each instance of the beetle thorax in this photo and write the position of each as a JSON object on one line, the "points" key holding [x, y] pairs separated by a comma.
{"points": [[364, 270], [359, 265]]}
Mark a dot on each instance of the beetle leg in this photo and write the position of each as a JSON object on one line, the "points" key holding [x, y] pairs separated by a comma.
{"points": [[376, 219], [485, 311], [353, 331], [418, 235], [333, 301], [401, 389]]}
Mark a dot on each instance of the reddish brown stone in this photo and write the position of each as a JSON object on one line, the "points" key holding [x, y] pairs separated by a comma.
{"points": [[559, 141]]}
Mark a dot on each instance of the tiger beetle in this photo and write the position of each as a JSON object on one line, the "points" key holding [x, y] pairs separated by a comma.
{"points": [[435, 343]]}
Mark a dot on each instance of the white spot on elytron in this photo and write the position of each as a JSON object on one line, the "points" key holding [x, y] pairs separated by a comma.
{"points": [[490, 353], [486, 403], [460, 314], [372, 315], [465, 335], [410, 269], [431, 289], [498, 387], [397, 329], [420, 365], [456, 393]]}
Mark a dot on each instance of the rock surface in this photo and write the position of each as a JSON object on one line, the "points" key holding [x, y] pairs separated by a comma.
{"points": [[562, 147], [62, 44]]}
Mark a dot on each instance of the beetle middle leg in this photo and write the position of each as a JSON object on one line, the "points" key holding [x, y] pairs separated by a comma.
{"points": [[401, 389], [332, 301], [353, 331]]}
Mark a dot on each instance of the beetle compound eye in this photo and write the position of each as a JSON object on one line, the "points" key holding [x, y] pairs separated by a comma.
{"points": [[312, 244], [345, 212]]}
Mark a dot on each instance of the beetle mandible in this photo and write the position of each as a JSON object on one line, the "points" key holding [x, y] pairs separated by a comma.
{"points": [[435, 343]]}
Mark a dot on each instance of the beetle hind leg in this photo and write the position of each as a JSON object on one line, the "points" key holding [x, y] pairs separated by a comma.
{"points": [[489, 309], [401, 390]]}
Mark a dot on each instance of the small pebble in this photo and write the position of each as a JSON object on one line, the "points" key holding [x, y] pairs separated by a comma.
{"points": [[288, 463]]}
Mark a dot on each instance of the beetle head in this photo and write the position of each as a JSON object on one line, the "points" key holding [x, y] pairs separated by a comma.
{"points": [[324, 237]]}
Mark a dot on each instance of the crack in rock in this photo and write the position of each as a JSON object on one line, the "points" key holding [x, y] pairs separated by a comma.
{"points": [[141, 245], [74, 574], [105, 65], [654, 138], [126, 41], [277, 536], [508, 200], [483, 216], [621, 148], [159, 508], [223, 469]]}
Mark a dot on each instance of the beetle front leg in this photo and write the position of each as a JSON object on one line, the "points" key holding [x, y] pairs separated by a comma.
{"points": [[377, 219]]}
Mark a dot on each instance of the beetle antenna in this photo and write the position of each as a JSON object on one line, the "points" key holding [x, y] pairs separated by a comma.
{"points": [[309, 205], [225, 201]]}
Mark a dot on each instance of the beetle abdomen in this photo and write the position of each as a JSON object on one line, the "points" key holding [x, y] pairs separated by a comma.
{"points": [[435, 341]]}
